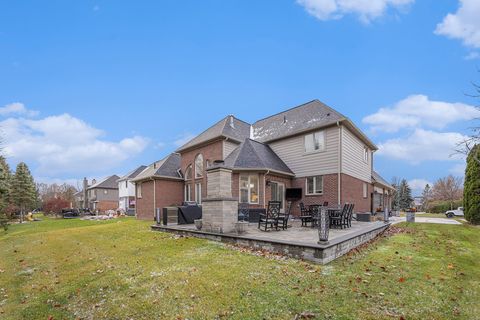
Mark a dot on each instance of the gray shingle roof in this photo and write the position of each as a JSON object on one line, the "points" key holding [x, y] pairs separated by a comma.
{"points": [[251, 154], [376, 178], [107, 183], [168, 167], [311, 115], [229, 127], [133, 173]]}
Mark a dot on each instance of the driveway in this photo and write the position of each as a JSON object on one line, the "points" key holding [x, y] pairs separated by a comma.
{"points": [[426, 220]]}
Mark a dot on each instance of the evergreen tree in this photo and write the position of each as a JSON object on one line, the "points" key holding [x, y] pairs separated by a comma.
{"points": [[405, 195], [471, 189], [426, 197], [5, 182], [24, 193], [3, 196]]}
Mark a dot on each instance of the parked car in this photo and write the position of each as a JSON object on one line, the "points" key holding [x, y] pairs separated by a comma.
{"points": [[70, 213], [455, 213]]}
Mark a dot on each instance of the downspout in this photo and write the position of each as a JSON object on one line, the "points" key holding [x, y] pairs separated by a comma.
{"points": [[154, 196], [339, 177], [265, 186]]}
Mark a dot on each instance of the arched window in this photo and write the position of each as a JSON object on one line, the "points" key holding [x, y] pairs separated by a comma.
{"points": [[199, 166], [188, 173]]}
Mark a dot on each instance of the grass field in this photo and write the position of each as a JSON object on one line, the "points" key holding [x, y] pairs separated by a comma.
{"points": [[71, 269]]}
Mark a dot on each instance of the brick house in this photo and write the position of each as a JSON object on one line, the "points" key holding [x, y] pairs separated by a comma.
{"points": [[311, 146], [103, 195]]}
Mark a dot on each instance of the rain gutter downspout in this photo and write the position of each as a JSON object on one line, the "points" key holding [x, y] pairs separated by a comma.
{"points": [[339, 177], [265, 187]]}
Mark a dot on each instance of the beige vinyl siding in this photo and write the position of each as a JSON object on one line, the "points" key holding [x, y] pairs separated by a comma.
{"points": [[352, 157], [228, 147], [292, 152]]}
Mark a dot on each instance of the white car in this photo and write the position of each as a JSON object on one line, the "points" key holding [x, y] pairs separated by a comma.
{"points": [[455, 213]]}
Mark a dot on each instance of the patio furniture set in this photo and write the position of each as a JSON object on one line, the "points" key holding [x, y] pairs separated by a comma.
{"points": [[273, 219]]}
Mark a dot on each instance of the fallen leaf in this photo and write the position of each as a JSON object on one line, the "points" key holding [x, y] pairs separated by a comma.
{"points": [[450, 266], [402, 279]]}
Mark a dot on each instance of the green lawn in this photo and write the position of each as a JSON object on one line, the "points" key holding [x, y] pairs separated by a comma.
{"points": [[71, 269]]}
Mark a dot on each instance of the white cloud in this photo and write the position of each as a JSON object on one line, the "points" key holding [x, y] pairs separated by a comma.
{"points": [[459, 169], [419, 110], [367, 10], [463, 24], [422, 145], [17, 108], [184, 138], [64, 144], [417, 185], [472, 56]]}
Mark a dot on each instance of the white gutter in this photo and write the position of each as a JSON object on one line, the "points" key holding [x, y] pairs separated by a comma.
{"points": [[339, 177]]}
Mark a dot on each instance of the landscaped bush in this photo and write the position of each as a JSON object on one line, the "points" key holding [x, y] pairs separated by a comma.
{"points": [[443, 206], [55, 205], [471, 189]]}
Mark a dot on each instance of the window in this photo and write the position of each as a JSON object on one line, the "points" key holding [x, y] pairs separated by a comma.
{"points": [[188, 173], [365, 190], [188, 193], [277, 192], [249, 188], [315, 185], [199, 166], [198, 193], [139, 190], [365, 154], [315, 141]]}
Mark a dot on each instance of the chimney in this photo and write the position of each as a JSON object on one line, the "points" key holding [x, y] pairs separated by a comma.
{"points": [[85, 193]]}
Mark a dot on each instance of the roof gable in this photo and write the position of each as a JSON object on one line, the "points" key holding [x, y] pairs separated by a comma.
{"points": [[167, 167], [133, 173], [311, 115], [107, 183], [255, 155], [229, 127]]}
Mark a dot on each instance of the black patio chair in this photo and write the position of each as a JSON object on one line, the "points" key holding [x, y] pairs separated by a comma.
{"points": [[282, 220], [350, 215], [315, 212], [305, 215], [243, 212], [337, 218], [270, 219]]}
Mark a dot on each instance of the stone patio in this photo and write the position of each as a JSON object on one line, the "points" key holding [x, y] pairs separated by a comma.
{"points": [[296, 241]]}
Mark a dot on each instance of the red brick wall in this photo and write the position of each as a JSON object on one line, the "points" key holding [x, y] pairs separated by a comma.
{"points": [[330, 192], [210, 152], [352, 192], [168, 192], [263, 188]]}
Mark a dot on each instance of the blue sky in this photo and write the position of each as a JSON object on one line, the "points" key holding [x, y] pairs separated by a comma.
{"points": [[92, 88]]}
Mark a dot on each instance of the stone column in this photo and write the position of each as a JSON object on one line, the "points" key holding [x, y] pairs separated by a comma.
{"points": [[219, 209]]}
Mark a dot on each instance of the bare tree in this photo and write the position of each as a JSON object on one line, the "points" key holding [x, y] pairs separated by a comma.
{"points": [[449, 189]]}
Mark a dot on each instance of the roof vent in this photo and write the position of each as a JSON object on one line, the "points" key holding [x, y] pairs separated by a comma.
{"points": [[328, 114], [154, 165], [231, 122], [284, 119]]}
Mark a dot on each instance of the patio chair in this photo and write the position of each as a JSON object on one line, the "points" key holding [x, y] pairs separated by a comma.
{"points": [[270, 219], [243, 212], [305, 215], [337, 219], [315, 212], [282, 220], [350, 215]]}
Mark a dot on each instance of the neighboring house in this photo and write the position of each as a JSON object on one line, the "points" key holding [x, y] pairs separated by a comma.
{"points": [[159, 185], [311, 147], [103, 195], [126, 191]]}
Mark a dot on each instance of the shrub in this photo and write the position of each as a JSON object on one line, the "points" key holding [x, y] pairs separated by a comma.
{"points": [[443, 206], [55, 205], [471, 187]]}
